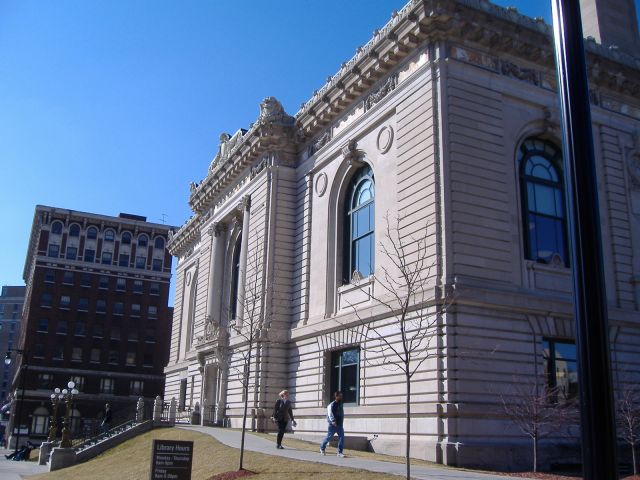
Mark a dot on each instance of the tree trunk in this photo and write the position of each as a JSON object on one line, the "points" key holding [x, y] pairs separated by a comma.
{"points": [[633, 459], [245, 388], [408, 432], [535, 454]]}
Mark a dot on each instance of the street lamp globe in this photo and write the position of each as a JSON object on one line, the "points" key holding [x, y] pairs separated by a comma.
{"points": [[64, 391], [71, 384], [74, 391], [7, 358], [56, 390], [53, 396]]}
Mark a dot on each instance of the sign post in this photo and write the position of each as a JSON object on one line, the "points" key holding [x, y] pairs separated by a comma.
{"points": [[171, 460]]}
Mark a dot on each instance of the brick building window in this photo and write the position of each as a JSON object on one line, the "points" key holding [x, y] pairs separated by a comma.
{"points": [[65, 301], [39, 351], [143, 240], [132, 336], [95, 355], [83, 304], [135, 309], [158, 243], [89, 255], [54, 251], [79, 381], [107, 258], [80, 329], [98, 330], [121, 284], [109, 235], [72, 253], [43, 325], [141, 262], [101, 306], [46, 299], [123, 260], [62, 327], [113, 357], [49, 276], [76, 354], [150, 335], [118, 308], [67, 278], [103, 282], [136, 387], [92, 233], [85, 280], [107, 385], [137, 286], [153, 311], [58, 352], [147, 360], [126, 238], [130, 360], [74, 230], [156, 265], [56, 228], [154, 288], [44, 381]]}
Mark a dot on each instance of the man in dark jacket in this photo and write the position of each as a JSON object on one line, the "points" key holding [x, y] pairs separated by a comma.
{"points": [[106, 419], [335, 419], [282, 413]]}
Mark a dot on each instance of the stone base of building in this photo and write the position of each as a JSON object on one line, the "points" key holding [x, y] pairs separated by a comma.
{"points": [[62, 458]]}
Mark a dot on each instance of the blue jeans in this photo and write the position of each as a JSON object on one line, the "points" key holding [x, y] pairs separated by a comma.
{"points": [[330, 433]]}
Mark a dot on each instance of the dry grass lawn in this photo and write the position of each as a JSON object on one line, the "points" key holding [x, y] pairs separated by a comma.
{"points": [[131, 461]]}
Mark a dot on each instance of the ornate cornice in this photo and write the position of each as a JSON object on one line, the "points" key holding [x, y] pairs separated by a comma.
{"points": [[474, 31]]}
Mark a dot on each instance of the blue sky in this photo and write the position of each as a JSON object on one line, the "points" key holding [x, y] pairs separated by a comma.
{"points": [[115, 106]]}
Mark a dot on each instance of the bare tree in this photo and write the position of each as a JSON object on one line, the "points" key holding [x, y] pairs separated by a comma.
{"points": [[412, 307], [538, 411], [248, 325], [628, 417]]}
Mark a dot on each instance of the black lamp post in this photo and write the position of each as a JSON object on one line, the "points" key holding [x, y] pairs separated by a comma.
{"points": [[590, 303], [7, 361], [56, 398], [68, 394]]}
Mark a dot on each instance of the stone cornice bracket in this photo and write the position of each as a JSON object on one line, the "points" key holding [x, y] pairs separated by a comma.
{"points": [[350, 152]]}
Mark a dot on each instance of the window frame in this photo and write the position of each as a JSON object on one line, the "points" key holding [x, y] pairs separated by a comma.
{"points": [[526, 151], [337, 385], [349, 260]]}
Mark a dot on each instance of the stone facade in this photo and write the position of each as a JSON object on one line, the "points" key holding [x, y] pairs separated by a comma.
{"points": [[442, 106]]}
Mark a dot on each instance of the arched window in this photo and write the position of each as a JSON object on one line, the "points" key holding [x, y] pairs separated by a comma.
{"points": [[92, 233], [109, 235], [56, 228], [235, 278], [542, 190], [126, 238], [159, 243], [359, 207], [143, 241], [74, 230]]}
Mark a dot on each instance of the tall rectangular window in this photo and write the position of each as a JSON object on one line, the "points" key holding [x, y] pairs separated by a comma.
{"points": [[85, 280], [46, 300], [561, 368], [106, 385], [44, 380], [154, 288], [107, 258], [62, 327], [49, 276], [141, 262], [83, 304], [136, 387], [182, 403], [76, 354], [153, 311], [89, 255], [130, 360], [43, 325], [54, 251], [67, 278], [123, 260], [137, 286], [95, 355], [101, 306], [118, 308], [121, 284], [65, 301], [103, 282], [72, 253], [156, 265], [345, 374]]}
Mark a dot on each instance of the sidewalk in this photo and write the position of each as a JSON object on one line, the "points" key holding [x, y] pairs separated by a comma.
{"points": [[231, 438], [10, 470]]}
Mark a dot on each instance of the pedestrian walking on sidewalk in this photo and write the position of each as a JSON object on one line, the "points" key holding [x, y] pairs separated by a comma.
{"points": [[106, 419], [282, 413], [335, 419]]}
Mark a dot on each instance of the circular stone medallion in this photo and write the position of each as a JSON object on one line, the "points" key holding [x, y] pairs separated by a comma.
{"points": [[321, 184], [385, 139]]}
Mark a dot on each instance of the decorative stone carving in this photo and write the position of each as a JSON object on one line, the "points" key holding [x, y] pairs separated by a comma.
{"points": [[388, 86], [244, 204], [272, 111], [193, 186], [320, 142], [227, 143], [217, 228], [321, 184], [510, 69], [385, 139], [350, 151], [258, 167]]}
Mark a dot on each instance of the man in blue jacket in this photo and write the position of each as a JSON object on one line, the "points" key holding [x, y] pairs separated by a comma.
{"points": [[335, 418]]}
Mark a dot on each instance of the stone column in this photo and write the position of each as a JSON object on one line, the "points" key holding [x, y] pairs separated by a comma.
{"points": [[173, 408], [216, 230], [140, 410], [244, 206]]}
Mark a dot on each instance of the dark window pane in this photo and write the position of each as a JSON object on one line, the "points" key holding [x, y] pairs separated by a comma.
{"points": [[141, 262], [72, 253], [156, 265], [54, 251], [126, 238], [56, 228], [123, 261], [89, 255], [74, 230], [109, 235], [107, 258], [143, 241], [92, 233]]}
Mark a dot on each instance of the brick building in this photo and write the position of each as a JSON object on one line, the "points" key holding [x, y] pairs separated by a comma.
{"points": [[96, 311], [11, 300]]}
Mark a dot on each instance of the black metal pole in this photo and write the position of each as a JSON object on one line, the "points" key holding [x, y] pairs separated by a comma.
{"points": [[19, 412], [590, 303]]}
